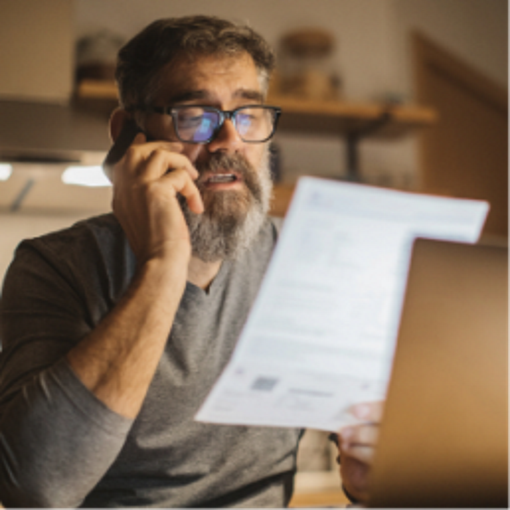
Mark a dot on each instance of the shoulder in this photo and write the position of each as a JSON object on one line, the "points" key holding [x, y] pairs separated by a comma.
{"points": [[82, 254], [82, 239], [103, 228]]}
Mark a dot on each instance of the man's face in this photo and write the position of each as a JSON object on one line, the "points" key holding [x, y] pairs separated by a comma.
{"points": [[225, 83]]}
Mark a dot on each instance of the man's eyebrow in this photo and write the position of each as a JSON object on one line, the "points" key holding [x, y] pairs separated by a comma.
{"points": [[188, 96], [193, 95], [254, 95]]}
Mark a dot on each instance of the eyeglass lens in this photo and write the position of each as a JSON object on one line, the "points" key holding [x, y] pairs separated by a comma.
{"points": [[198, 124]]}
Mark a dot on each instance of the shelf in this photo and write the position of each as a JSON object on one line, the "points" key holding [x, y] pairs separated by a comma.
{"points": [[353, 121], [345, 117], [97, 89], [303, 115]]}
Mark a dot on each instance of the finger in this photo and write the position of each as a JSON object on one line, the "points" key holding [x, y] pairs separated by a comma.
{"points": [[140, 151], [126, 157], [161, 161], [132, 158], [368, 411], [364, 435], [364, 454], [181, 183], [355, 476], [139, 139], [176, 147]]}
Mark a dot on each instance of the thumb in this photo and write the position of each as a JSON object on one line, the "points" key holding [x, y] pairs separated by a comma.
{"points": [[140, 138]]}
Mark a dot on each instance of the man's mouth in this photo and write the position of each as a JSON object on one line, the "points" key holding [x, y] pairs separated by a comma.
{"points": [[221, 178]]}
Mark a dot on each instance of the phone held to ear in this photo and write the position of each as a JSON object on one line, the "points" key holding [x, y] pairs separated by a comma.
{"points": [[129, 130]]}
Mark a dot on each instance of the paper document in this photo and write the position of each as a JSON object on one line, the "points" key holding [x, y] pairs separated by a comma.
{"points": [[322, 331]]}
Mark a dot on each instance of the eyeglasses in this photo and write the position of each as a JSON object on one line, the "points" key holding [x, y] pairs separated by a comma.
{"points": [[201, 124]]}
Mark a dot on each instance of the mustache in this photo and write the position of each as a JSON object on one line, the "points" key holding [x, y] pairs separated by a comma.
{"points": [[221, 163]]}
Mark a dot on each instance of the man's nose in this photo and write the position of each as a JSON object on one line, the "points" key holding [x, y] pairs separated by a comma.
{"points": [[227, 139]]}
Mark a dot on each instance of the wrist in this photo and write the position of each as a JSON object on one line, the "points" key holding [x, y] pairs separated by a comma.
{"points": [[163, 275], [170, 252]]}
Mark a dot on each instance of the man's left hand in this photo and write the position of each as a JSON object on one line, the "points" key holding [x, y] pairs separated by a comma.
{"points": [[357, 446]]}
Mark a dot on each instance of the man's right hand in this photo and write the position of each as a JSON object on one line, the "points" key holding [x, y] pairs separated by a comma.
{"points": [[117, 360], [145, 185]]}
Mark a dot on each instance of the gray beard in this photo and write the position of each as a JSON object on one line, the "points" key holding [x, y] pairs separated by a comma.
{"points": [[232, 219]]}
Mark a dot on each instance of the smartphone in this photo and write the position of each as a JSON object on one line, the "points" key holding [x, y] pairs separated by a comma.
{"points": [[129, 130]]}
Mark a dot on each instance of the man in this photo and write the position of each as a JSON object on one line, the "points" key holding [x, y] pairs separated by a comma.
{"points": [[115, 329]]}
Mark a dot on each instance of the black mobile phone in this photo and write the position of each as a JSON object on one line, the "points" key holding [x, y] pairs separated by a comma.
{"points": [[129, 130]]}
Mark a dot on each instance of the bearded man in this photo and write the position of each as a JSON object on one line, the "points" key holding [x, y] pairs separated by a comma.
{"points": [[115, 330]]}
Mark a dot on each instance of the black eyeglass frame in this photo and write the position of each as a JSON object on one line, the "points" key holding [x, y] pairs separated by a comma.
{"points": [[223, 114]]}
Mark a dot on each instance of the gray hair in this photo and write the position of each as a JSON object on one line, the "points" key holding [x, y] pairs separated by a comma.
{"points": [[141, 60]]}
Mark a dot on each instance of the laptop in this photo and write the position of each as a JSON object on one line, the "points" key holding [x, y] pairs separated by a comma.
{"points": [[444, 435]]}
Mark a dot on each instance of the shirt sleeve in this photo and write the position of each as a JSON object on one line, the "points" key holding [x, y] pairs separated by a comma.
{"points": [[57, 440]]}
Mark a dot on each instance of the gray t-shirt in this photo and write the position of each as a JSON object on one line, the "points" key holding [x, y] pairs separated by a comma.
{"points": [[61, 447]]}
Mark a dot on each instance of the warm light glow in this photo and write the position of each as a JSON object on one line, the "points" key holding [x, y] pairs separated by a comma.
{"points": [[5, 171], [85, 176]]}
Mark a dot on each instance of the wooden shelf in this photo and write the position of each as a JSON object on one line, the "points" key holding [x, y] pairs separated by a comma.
{"points": [[344, 117], [349, 120], [303, 115], [97, 89], [319, 499]]}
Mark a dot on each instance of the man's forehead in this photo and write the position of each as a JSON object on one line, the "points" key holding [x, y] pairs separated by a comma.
{"points": [[197, 77]]}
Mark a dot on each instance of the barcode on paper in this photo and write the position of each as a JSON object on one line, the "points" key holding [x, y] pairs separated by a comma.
{"points": [[264, 383]]}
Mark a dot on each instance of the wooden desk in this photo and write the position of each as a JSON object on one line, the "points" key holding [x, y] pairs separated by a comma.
{"points": [[331, 498], [317, 499]]}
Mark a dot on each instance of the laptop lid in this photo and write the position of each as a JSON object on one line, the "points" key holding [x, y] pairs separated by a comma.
{"points": [[444, 436]]}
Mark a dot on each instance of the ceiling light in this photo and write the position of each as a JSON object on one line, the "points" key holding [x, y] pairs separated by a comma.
{"points": [[5, 171], [85, 176]]}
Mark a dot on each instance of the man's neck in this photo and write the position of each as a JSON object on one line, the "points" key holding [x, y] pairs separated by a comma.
{"points": [[201, 274]]}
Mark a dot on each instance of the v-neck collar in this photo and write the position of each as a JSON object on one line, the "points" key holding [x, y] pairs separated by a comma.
{"points": [[214, 285]]}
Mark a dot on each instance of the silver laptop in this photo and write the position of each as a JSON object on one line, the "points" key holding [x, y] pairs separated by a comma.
{"points": [[444, 435]]}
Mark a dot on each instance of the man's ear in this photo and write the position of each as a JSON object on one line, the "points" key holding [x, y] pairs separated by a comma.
{"points": [[117, 120]]}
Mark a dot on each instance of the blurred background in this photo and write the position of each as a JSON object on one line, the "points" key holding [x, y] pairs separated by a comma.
{"points": [[405, 94]]}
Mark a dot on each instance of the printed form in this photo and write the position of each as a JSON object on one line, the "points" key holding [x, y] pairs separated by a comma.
{"points": [[322, 331]]}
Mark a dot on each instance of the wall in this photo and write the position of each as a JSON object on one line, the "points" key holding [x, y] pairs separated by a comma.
{"points": [[36, 63], [474, 30], [361, 28], [366, 71], [372, 56]]}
